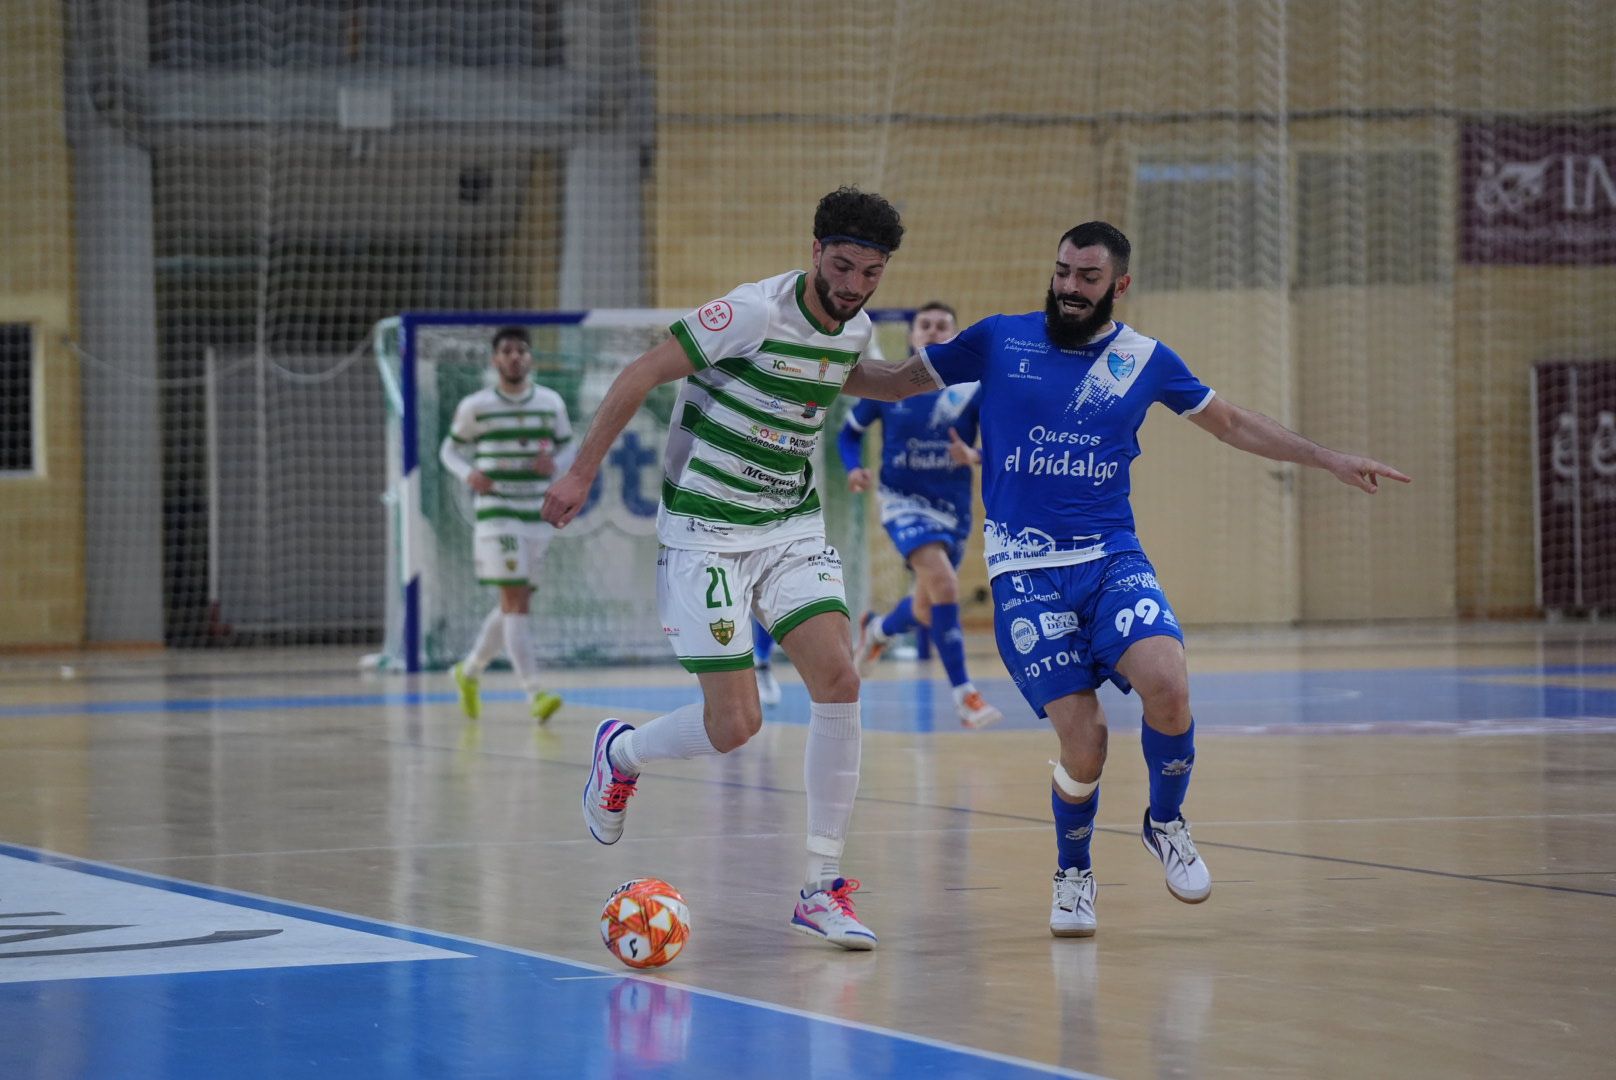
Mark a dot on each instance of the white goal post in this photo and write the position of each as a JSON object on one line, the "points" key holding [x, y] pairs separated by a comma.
{"points": [[596, 602]]}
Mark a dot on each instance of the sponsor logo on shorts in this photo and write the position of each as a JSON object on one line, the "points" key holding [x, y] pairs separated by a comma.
{"points": [[1134, 582], [1057, 624], [1036, 598], [1064, 658], [671, 631], [1024, 635], [723, 631]]}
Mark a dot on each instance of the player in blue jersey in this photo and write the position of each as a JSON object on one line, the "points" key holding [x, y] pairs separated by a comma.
{"points": [[925, 493], [1064, 391]]}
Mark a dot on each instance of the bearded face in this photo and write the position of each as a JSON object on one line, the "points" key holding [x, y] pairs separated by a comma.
{"points": [[1072, 319], [840, 306]]}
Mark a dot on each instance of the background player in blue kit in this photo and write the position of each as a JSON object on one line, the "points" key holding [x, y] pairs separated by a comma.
{"points": [[762, 652], [925, 493], [1064, 392]]}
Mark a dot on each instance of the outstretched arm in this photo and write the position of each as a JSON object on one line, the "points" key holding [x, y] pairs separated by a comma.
{"points": [[1256, 433], [662, 364], [890, 382]]}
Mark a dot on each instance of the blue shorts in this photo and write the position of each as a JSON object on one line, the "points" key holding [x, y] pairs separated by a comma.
{"points": [[1062, 629], [913, 531]]}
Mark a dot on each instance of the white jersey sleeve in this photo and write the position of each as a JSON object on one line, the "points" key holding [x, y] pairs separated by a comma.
{"points": [[459, 446], [734, 325]]}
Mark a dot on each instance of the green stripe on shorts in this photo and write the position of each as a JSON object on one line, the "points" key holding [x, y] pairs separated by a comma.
{"points": [[796, 618], [699, 664]]}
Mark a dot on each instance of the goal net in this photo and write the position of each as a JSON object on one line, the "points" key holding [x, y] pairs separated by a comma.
{"points": [[596, 601]]}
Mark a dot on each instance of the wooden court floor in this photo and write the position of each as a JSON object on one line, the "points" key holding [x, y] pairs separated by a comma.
{"points": [[1412, 833]]}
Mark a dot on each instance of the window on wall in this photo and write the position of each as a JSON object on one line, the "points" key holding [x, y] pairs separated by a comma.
{"points": [[1210, 221], [16, 398], [1374, 217], [325, 33]]}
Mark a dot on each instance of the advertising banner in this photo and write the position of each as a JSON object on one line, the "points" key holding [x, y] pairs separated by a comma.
{"points": [[1533, 194], [1575, 438]]}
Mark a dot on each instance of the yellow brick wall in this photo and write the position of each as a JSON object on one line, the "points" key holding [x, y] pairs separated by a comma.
{"points": [[41, 517]]}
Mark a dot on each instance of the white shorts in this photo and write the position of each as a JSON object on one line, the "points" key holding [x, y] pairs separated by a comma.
{"points": [[708, 598], [509, 558]]}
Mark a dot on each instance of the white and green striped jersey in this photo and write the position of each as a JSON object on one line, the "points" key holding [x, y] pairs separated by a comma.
{"points": [[501, 435], [737, 474]]}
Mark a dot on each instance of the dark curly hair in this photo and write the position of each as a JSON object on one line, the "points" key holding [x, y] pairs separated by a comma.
{"points": [[862, 217]]}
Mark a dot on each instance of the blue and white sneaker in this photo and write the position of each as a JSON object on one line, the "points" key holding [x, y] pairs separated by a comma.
{"points": [[828, 914], [1071, 911], [1187, 876], [609, 789]]}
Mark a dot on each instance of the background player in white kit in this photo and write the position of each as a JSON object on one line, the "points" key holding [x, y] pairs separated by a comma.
{"points": [[1076, 602], [742, 532], [504, 445]]}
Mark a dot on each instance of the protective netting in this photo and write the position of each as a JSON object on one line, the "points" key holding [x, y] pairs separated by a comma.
{"points": [[1368, 218]]}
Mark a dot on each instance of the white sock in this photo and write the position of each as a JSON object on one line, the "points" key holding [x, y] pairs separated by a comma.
{"points": [[681, 734], [519, 647], [830, 770], [490, 640]]}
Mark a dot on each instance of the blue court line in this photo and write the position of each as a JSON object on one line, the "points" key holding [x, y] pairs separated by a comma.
{"points": [[1411, 700], [500, 1012]]}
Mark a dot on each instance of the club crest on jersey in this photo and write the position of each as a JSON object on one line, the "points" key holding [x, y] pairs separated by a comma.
{"points": [[1121, 365], [723, 631], [824, 367], [810, 410]]}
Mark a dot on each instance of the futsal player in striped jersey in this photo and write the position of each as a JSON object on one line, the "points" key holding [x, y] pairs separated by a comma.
{"points": [[505, 443], [743, 535]]}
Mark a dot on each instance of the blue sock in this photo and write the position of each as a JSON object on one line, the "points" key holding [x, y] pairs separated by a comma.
{"points": [[1169, 759], [1074, 828], [762, 644], [950, 641], [900, 618]]}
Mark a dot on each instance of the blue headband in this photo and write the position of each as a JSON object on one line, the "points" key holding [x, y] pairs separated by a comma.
{"points": [[882, 248]]}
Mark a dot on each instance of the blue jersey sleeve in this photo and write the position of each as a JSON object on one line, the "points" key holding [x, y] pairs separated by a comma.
{"points": [[1179, 389], [963, 359], [850, 440]]}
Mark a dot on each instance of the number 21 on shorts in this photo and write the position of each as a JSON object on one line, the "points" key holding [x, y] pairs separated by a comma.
{"points": [[718, 584]]}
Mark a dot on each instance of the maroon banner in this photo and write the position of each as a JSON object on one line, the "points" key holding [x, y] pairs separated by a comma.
{"points": [[1537, 194], [1576, 485]]}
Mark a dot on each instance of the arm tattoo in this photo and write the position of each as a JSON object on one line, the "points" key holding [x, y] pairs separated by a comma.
{"points": [[919, 376]]}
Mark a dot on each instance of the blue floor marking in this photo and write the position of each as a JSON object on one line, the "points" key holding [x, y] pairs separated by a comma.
{"points": [[501, 1012], [1292, 701]]}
